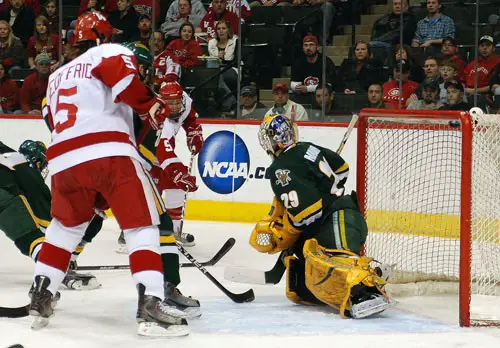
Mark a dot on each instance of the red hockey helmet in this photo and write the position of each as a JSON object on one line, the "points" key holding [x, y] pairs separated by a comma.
{"points": [[171, 93], [171, 90], [92, 26]]}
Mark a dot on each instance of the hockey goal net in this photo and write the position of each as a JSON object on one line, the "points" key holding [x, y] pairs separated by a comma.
{"points": [[429, 186]]}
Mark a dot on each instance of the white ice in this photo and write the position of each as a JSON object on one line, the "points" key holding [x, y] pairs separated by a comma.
{"points": [[106, 317]]}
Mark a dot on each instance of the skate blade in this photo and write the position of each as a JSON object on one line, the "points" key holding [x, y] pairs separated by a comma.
{"points": [[186, 244], [38, 321], [192, 312], [122, 249], [359, 313], [151, 329], [79, 285]]}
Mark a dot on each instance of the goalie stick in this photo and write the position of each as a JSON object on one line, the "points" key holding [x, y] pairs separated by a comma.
{"points": [[216, 258], [274, 275]]}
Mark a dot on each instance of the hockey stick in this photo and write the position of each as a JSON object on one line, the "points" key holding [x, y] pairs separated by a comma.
{"points": [[247, 296], [14, 312], [274, 275], [216, 258]]}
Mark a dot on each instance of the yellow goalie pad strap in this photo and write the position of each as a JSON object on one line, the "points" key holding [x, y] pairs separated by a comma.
{"points": [[273, 235], [277, 209], [331, 274], [290, 293]]}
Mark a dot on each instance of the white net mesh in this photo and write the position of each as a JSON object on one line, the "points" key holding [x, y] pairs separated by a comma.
{"points": [[413, 193]]}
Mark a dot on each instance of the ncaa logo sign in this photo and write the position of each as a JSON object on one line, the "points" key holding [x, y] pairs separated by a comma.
{"points": [[223, 162]]}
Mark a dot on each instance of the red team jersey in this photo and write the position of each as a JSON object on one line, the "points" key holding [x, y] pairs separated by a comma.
{"points": [[88, 120], [391, 92]]}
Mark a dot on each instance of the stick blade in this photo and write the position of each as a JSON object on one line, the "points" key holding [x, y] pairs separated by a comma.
{"points": [[245, 275], [14, 312], [247, 296]]}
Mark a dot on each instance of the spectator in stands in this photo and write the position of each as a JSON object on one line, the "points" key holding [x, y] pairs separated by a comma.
{"points": [[104, 6], [356, 75], [375, 95], [33, 4], [449, 73], [432, 29], [12, 53], [185, 50], [145, 7], [392, 94], [233, 5], [328, 95], [430, 96], [21, 19], [217, 12], [449, 51], [50, 12], [283, 105], [386, 29], [124, 21], [307, 71], [224, 46], [43, 41], [486, 65], [432, 71], [251, 108], [184, 12], [404, 53], [157, 43], [495, 85], [455, 97], [35, 86], [9, 92], [174, 10], [145, 30]]}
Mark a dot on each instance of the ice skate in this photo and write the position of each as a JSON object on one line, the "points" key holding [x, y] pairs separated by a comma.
{"points": [[122, 245], [154, 318], [189, 306], [367, 301], [41, 307], [185, 239], [79, 281]]}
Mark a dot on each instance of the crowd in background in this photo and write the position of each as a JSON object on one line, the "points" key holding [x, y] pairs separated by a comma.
{"points": [[245, 59]]}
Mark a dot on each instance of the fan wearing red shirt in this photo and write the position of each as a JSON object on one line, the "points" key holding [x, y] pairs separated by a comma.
{"points": [[35, 86], [391, 88], [42, 42], [486, 65], [9, 92], [186, 49], [215, 13]]}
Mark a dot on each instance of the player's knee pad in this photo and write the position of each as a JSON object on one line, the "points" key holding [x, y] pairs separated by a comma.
{"points": [[332, 274], [296, 290], [142, 238], [65, 237]]}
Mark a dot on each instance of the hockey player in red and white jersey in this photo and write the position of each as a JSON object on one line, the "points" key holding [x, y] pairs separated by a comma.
{"points": [[175, 178], [94, 163]]}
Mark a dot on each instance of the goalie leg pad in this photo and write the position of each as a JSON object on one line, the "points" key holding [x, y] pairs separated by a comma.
{"points": [[296, 290], [331, 275]]}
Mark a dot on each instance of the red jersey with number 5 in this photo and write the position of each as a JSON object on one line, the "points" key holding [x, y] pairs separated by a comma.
{"points": [[84, 110]]}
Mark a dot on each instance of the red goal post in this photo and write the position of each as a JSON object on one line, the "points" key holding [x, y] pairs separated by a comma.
{"points": [[428, 184]]}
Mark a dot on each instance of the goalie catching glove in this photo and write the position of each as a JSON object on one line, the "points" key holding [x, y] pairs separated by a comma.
{"points": [[179, 175], [275, 232]]}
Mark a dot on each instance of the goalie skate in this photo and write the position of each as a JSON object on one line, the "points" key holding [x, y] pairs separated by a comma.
{"points": [[42, 303], [154, 318], [190, 307], [367, 301], [185, 239]]}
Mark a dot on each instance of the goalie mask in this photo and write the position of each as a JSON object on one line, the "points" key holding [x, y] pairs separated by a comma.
{"points": [[276, 133], [35, 154], [171, 93]]}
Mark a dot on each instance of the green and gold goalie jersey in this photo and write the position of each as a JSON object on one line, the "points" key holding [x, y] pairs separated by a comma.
{"points": [[307, 178]]}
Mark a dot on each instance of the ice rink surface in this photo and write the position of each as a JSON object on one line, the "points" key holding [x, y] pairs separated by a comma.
{"points": [[106, 317]]}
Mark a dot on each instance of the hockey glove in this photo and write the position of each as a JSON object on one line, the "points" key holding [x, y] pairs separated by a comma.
{"points": [[195, 138], [181, 178], [157, 114]]}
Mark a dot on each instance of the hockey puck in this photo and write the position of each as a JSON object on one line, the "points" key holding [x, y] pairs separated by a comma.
{"points": [[454, 123]]}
